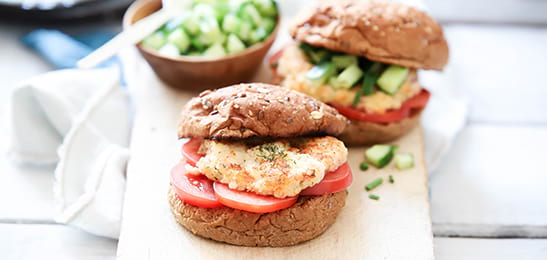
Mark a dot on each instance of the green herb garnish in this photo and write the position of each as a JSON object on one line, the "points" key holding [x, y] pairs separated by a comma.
{"points": [[374, 197], [391, 180], [373, 184], [363, 166], [371, 76], [271, 152]]}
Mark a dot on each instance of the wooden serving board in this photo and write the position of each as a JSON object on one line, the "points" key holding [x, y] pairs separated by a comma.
{"points": [[398, 226]]}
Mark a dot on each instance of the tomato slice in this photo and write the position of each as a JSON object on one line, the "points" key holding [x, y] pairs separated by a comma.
{"points": [[248, 201], [334, 181], [190, 151], [387, 117], [418, 101], [194, 190]]}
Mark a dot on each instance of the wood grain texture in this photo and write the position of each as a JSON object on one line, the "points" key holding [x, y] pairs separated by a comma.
{"points": [[397, 226]]}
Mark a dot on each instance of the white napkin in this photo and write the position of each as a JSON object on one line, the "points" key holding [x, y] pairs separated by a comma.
{"points": [[79, 119]]}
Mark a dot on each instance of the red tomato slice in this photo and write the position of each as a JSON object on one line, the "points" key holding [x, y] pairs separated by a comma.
{"points": [[387, 117], [190, 151], [334, 181], [248, 201], [390, 116], [418, 101], [194, 190]]}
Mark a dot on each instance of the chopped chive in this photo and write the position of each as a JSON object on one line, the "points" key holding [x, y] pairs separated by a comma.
{"points": [[363, 166], [391, 180], [373, 184], [374, 196], [371, 76]]}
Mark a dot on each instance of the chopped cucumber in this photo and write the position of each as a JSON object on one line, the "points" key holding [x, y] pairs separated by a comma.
{"points": [[349, 76], [234, 44], [215, 51], [175, 23], [380, 155], [155, 41], [203, 10], [169, 50], [231, 23], [210, 32], [204, 26], [258, 35], [392, 78], [245, 30], [266, 7], [404, 161], [319, 74], [268, 24], [180, 39], [249, 13], [191, 24], [344, 61]]}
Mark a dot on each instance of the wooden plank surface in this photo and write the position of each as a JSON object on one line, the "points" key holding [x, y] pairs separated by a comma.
{"points": [[397, 226], [52, 242], [482, 190], [499, 249]]}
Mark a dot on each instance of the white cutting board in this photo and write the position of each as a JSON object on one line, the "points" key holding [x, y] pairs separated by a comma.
{"points": [[398, 226]]}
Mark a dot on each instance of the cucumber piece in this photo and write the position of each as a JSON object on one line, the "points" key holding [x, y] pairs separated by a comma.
{"points": [[191, 24], [245, 30], [315, 55], [221, 10], [215, 51], [180, 39], [320, 73], [248, 12], [258, 35], [155, 40], [404, 161], [234, 44], [268, 24], [349, 76], [203, 10], [210, 32], [175, 23], [169, 50], [231, 23], [380, 155], [196, 44], [344, 61], [266, 7], [392, 78]]}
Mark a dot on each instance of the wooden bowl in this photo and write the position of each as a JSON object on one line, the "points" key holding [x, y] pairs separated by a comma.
{"points": [[198, 73]]}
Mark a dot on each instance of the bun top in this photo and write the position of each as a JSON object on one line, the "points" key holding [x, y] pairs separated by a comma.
{"points": [[257, 110], [381, 31]]}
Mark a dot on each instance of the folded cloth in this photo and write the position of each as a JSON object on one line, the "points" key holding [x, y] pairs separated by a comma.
{"points": [[78, 120]]}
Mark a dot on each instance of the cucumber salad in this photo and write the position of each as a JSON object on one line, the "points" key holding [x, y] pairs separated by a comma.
{"points": [[340, 70], [215, 28]]}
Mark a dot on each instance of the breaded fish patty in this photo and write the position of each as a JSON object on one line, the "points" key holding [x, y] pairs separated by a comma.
{"points": [[281, 168]]}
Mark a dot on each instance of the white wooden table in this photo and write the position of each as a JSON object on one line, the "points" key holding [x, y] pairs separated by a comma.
{"points": [[492, 184]]}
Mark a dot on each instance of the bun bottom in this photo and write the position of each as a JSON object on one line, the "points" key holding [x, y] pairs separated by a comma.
{"points": [[359, 133], [308, 218]]}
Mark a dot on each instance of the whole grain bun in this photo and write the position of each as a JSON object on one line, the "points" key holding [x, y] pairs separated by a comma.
{"points": [[305, 220], [378, 30], [257, 110], [359, 133]]}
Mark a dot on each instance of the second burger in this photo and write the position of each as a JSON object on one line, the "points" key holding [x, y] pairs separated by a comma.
{"points": [[361, 57]]}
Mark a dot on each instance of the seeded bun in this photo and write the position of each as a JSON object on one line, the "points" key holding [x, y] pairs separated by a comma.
{"points": [[308, 218], [257, 110], [359, 133], [381, 31]]}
